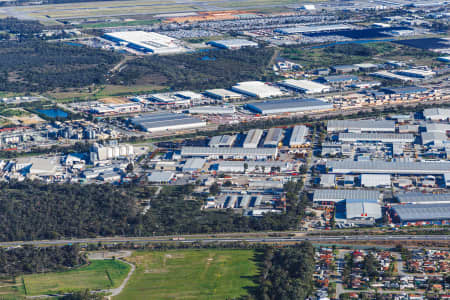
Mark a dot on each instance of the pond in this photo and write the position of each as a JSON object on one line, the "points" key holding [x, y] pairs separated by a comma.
{"points": [[53, 113]]}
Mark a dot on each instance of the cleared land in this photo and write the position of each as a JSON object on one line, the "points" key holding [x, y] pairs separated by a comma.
{"points": [[99, 274], [191, 274]]}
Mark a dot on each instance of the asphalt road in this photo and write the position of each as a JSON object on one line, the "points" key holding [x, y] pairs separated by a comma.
{"points": [[355, 238]]}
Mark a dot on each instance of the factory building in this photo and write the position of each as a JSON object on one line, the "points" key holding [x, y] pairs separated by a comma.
{"points": [[257, 89], [357, 211], [375, 180], [437, 114], [339, 80], [329, 197], [312, 29], [361, 125], [371, 137], [252, 139], [166, 121], [148, 42], [417, 73], [224, 95], [232, 44], [109, 109], [392, 76], [328, 180], [388, 167], [305, 86], [193, 165], [253, 166], [438, 139], [288, 106], [100, 152], [298, 136], [161, 177], [421, 214], [222, 141], [169, 99], [405, 90], [213, 110], [421, 198], [273, 137], [230, 153]]}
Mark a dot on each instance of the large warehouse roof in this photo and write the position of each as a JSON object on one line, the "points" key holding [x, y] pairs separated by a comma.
{"points": [[306, 86], [233, 44], [422, 212], [310, 29], [298, 136], [361, 125], [420, 198], [166, 121], [147, 41], [362, 209], [288, 106], [376, 137], [273, 137], [257, 89], [388, 167], [331, 195], [229, 152]]}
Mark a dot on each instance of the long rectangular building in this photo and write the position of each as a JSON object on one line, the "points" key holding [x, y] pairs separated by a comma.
{"points": [[288, 106], [420, 198], [273, 137], [388, 167], [331, 196], [312, 29], [166, 121], [262, 166], [257, 89], [232, 152], [305, 86], [351, 137], [252, 139], [361, 125], [298, 136], [421, 214]]}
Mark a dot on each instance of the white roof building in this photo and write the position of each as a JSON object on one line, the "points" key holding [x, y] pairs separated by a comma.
{"points": [[223, 94], [375, 180], [213, 110], [298, 136], [437, 114], [160, 177], [252, 139], [257, 89], [361, 125], [147, 41], [305, 86]]}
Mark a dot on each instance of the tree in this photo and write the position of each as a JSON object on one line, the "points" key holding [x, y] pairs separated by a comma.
{"points": [[130, 168], [214, 189]]}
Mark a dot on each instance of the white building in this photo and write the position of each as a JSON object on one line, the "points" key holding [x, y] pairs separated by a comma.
{"points": [[305, 86], [437, 114], [375, 180], [100, 152], [252, 139], [222, 94], [257, 89], [298, 136], [147, 41]]}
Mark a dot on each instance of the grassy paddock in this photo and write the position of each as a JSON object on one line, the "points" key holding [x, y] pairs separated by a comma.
{"points": [[191, 274], [99, 274]]}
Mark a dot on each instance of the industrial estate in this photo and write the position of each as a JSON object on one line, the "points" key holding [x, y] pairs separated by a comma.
{"points": [[225, 150]]}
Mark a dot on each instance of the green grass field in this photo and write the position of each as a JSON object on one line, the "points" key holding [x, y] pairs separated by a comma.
{"points": [[94, 276], [191, 274]]}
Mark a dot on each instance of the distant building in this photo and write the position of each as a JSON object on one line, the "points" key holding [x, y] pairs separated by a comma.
{"points": [[166, 121], [421, 214], [223, 94], [161, 177], [232, 152], [361, 126], [232, 44], [305, 86], [421, 198], [257, 89], [222, 141], [288, 106], [100, 152]]}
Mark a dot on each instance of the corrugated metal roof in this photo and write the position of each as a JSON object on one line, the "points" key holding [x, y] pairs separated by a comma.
{"points": [[388, 167], [362, 209], [375, 136], [298, 135], [339, 195], [193, 164], [288, 105], [414, 197], [205, 151], [422, 212], [363, 125]]}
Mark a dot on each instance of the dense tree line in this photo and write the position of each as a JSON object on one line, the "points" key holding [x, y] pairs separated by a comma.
{"points": [[38, 66], [29, 259], [24, 28], [34, 210], [199, 70], [287, 273]]}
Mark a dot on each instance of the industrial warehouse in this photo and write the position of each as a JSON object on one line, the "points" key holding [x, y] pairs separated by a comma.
{"points": [[166, 121], [388, 167], [288, 106], [305, 86], [147, 42], [257, 89], [233, 44]]}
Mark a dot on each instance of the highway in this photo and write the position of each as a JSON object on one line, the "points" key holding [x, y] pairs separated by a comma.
{"points": [[355, 238]]}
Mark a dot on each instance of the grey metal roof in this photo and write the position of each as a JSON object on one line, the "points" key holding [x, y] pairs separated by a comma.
{"points": [[389, 167], [375, 136], [298, 135], [273, 137], [160, 176], [362, 209], [422, 212], [164, 119], [288, 105], [207, 151], [339, 195], [363, 125], [414, 197], [194, 164]]}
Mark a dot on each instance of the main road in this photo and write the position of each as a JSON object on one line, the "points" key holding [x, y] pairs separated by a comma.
{"points": [[187, 239]]}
